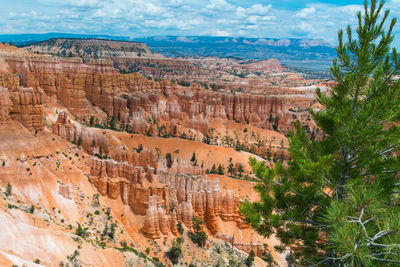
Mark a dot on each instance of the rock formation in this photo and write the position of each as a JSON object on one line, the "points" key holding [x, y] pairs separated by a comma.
{"points": [[4, 104], [259, 249], [93, 142], [23, 105], [94, 48], [272, 65], [64, 190], [151, 226], [93, 92], [165, 198], [96, 86]]}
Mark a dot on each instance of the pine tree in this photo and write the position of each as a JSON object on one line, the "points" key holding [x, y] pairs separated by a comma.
{"points": [[220, 170], [193, 157], [112, 122], [337, 201], [250, 259], [213, 169], [231, 168], [168, 158], [240, 169], [238, 146], [91, 121]]}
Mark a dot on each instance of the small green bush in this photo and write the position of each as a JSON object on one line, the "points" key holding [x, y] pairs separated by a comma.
{"points": [[174, 253], [9, 190], [81, 231]]}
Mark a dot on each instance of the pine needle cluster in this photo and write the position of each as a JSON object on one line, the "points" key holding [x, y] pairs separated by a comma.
{"points": [[337, 200]]}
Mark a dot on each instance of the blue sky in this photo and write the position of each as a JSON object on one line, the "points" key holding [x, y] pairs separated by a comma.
{"points": [[137, 18]]}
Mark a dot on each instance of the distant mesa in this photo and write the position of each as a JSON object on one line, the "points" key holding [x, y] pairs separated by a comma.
{"points": [[307, 54], [269, 65], [93, 48]]}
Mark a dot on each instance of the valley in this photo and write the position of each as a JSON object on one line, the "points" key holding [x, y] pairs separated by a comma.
{"points": [[113, 150]]}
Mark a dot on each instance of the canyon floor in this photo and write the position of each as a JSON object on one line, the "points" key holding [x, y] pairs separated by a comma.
{"points": [[101, 165]]}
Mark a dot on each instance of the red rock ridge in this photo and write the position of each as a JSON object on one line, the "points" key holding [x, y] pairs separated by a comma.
{"points": [[87, 89], [271, 64], [23, 105]]}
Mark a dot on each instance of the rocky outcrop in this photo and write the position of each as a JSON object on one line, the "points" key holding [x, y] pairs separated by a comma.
{"points": [[95, 86], [23, 105], [79, 87], [164, 198], [27, 108], [151, 228], [144, 158], [173, 222], [5, 104], [10, 81], [94, 48], [138, 122], [197, 107], [179, 166], [259, 249], [211, 212], [64, 190], [91, 141], [271, 65], [161, 198], [196, 197], [132, 183]]}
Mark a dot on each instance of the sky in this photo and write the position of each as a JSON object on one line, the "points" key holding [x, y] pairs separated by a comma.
{"points": [[140, 18]]}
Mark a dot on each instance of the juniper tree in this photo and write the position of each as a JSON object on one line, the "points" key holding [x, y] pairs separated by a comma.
{"points": [[337, 200]]}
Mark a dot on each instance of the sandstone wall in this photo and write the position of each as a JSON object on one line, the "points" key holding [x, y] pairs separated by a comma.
{"points": [[23, 105], [5, 104], [92, 142], [95, 86], [165, 198], [259, 249]]}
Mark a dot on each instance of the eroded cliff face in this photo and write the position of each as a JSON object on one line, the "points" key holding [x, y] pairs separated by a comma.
{"points": [[92, 142], [96, 87], [78, 104], [76, 85], [94, 48], [166, 198], [23, 105], [5, 104]]}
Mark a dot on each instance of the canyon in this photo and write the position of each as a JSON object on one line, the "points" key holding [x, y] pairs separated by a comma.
{"points": [[120, 164]]}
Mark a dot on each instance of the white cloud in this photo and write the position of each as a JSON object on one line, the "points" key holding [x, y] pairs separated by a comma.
{"points": [[306, 12], [219, 5], [240, 11], [222, 33], [305, 26], [352, 9], [256, 18], [252, 19], [258, 9], [268, 18], [252, 27], [79, 3]]}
